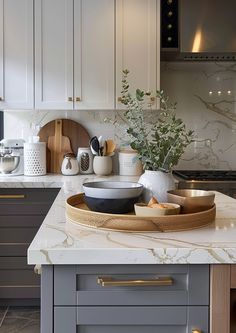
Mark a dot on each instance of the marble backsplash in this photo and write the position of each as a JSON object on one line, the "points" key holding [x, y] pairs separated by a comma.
{"points": [[206, 100]]}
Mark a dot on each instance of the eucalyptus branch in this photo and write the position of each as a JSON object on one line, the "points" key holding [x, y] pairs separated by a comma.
{"points": [[161, 143]]}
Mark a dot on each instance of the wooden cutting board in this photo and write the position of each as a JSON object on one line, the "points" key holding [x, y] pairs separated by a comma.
{"points": [[76, 133]]}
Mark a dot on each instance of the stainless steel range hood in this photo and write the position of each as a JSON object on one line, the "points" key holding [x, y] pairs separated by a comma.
{"points": [[206, 30]]}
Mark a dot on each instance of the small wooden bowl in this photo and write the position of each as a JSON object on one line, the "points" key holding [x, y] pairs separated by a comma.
{"points": [[143, 210]]}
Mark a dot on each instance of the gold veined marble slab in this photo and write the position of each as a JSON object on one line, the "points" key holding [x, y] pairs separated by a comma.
{"points": [[77, 212]]}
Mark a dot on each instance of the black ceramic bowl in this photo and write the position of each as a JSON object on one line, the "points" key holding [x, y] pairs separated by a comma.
{"points": [[112, 206]]}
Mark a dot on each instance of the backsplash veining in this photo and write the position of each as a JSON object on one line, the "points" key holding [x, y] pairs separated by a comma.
{"points": [[206, 100], [206, 97]]}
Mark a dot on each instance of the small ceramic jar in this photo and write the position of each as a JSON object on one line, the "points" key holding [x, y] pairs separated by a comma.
{"points": [[70, 165], [129, 164], [85, 159], [102, 165]]}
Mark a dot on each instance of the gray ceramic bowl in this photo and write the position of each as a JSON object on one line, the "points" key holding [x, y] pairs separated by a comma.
{"points": [[191, 201], [112, 190]]}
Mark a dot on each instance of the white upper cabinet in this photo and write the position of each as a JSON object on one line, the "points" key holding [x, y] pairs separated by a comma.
{"points": [[74, 55], [138, 44], [16, 54], [54, 54], [94, 54]]}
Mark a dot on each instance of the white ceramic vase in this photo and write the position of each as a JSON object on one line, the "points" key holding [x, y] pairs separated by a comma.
{"points": [[156, 183]]}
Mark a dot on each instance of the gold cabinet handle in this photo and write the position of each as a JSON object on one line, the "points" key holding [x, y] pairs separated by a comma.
{"points": [[78, 99], [12, 196], [196, 331], [70, 99], [108, 281], [152, 99], [119, 99]]}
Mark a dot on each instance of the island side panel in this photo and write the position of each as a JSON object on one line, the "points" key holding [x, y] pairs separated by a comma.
{"points": [[47, 315], [220, 299]]}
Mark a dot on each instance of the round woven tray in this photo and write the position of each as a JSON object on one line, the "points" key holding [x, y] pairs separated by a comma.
{"points": [[78, 212]]}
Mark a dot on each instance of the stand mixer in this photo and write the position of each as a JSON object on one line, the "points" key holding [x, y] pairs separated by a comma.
{"points": [[13, 147]]}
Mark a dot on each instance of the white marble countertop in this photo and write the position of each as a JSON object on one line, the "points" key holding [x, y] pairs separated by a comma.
{"points": [[54, 244]]}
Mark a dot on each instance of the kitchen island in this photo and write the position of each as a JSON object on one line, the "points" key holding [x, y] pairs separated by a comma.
{"points": [[84, 271]]}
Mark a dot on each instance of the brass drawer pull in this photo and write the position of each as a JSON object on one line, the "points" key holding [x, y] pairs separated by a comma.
{"points": [[70, 99], [78, 99], [119, 99], [108, 281], [196, 331], [12, 196]]}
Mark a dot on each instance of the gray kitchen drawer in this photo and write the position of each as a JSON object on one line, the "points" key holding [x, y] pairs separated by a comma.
{"points": [[11, 221], [168, 319], [13, 250], [17, 279], [77, 285], [17, 235], [36, 201]]}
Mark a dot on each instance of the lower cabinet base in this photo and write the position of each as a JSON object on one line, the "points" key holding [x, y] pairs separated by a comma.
{"points": [[178, 319], [20, 302]]}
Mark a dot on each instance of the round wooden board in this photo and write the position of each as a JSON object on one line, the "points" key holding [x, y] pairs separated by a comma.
{"points": [[78, 212], [76, 133]]}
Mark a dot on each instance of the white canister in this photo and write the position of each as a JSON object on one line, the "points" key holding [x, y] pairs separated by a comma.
{"points": [[102, 165], [35, 159], [85, 159], [70, 165], [129, 164]]}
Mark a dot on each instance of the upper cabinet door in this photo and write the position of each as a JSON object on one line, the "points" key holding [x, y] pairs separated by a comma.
{"points": [[94, 54], [138, 44], [53, 54], [16, 54]]}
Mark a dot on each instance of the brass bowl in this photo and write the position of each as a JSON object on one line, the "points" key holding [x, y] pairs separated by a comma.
{"points": [[191, 201]]}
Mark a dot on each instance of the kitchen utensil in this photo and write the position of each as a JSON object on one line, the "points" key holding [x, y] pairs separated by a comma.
{"points": [[191, 201], [35, 159], [9, 163], [85, 160], [77, 212], [95, 147], [104, 151], [142, 209], [111, 146], [14, 147], [112, 189], [77, 134], [111, 206], [102, 165], [70, 165], [58, 146]]}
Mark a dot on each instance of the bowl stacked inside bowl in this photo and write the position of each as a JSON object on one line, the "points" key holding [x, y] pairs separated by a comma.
{"points": [[114, 197]]}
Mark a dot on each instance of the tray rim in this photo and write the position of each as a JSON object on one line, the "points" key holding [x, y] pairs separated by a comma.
{"points": [[161, 224], [133, 216]]}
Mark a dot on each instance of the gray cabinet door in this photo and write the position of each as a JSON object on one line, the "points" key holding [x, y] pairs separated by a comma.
{"points": [[78, 286], [22, 210], [177, 319]]}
